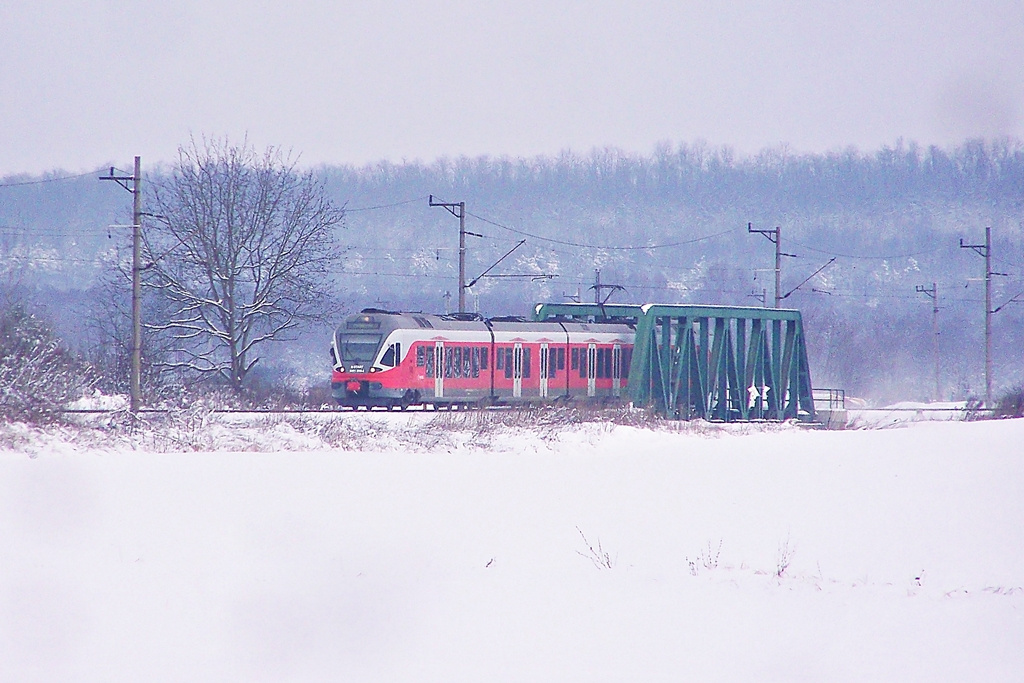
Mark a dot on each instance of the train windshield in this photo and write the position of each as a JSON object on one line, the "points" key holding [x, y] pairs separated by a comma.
{"points": [[358, 348]]}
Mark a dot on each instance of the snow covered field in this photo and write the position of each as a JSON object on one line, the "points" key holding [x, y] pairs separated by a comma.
{"points": [[587, 553]]}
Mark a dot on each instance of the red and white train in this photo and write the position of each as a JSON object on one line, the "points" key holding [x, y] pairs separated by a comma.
{"points": [[394, 360]]}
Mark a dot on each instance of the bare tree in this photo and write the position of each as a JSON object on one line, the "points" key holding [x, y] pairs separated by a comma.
{"points": [[242, 245], [106, 329]]}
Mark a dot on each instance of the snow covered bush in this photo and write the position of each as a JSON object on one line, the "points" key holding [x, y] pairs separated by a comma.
{"points": [[1011, 404], [38, 376]]}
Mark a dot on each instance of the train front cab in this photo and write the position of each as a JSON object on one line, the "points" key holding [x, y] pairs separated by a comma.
{"points": [[370, 364], [373, 363]]}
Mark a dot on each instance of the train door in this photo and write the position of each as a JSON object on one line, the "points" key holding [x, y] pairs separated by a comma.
{"points": [[438, 369], [616, 370], [517, 371], [591, 370], [544, 370]]}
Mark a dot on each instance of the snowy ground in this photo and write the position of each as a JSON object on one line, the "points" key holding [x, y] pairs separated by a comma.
{"points": [[898, 414], [587, 553]]}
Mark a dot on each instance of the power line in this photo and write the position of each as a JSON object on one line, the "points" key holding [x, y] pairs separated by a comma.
{"points": [[831, 252], [30, 232], [1007, 262], [597, 246], [49, 180], [683, 289], [45, 258], [386, 206], [405, 275]]}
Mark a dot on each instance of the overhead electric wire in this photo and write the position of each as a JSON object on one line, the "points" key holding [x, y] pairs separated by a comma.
{"points": [[1007, 262], [682, 290], [50, 180], [30, 232], [407, 275], [570, 280], [21, 259], [385, 206], [598, 246], [832, 252]]}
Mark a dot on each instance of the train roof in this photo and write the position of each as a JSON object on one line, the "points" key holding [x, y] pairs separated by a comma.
{"points": [[510, 326], [373, 319], [383, 321]]}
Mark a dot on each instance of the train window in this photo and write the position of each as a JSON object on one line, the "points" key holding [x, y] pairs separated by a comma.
{"points": [[624, 359], [583, 362], [457, 362], [358, 348], [561, 358], [476, 361], [420, 354], [484, 351], [398, 353], [526, 363], [552, 362], [430, 361], [508, 363], [388, 359], [608, 363], [600, 363], [499, 359], [467, 363], [576, 359], [448, 362]]}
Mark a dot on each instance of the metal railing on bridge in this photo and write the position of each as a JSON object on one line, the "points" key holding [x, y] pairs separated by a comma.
{"points": [[830, 399]]}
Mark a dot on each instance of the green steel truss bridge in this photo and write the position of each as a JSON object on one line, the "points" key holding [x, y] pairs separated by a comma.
{"points": [[722, 363]]}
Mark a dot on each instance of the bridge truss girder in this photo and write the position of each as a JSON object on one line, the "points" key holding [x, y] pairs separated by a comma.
{"points": [[720, 363]]}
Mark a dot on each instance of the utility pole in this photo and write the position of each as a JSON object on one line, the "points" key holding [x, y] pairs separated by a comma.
{"points": [[598, 287], [933, 294], [775, 237], [986, 251], [458, 209], [135, 383]]}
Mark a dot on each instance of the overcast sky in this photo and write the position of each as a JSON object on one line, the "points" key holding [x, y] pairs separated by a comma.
{"points": [[89, 83]]}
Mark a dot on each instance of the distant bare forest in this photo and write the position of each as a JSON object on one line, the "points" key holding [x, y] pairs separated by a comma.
{"points": [[670, 226]]}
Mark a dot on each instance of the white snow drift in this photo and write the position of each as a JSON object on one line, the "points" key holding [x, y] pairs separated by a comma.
{"points": [[594, 554]]}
